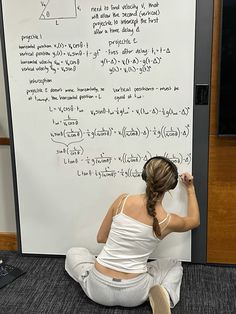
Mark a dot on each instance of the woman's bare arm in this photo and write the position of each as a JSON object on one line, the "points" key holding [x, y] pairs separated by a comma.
{"points": [[192, 219]]}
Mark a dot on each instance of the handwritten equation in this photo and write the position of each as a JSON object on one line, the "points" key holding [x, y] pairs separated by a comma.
{"points": [[70, 121], [163, 132], [164, 112], [68, 57], [127, 159], [92, 169], [74, 156]]}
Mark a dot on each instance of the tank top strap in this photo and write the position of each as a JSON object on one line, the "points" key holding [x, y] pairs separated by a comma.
{"points": [[165, 222], [124, 201]]}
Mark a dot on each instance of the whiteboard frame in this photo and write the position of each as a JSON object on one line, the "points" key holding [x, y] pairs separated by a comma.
{"points": [[201, 115], [202, 76]]}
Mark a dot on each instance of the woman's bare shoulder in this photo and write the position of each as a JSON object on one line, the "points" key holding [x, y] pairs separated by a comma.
{"points": [[135, 199]]}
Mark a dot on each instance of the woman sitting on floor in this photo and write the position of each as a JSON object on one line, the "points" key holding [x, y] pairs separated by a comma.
{"points": [[131, 230]]}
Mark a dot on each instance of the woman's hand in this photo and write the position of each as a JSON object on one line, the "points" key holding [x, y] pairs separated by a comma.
{"points": [[187, 179]]}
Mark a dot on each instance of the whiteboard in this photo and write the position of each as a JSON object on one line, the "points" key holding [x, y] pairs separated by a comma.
{"points": [[96, 88]]}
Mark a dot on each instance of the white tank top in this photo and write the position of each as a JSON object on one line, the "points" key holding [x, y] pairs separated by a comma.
{"points": [[129, 245]]}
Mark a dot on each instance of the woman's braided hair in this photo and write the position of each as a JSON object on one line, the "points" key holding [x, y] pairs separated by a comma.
{"points": [[160, 175]]}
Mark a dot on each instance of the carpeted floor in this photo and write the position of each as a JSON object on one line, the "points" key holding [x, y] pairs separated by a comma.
{"points": [[46, 288]]}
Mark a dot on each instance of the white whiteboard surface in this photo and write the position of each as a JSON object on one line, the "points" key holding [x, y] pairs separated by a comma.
{"points": [[96, 88]]}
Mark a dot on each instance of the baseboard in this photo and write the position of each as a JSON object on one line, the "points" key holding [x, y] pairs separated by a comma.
{"points": [[4, 141], [8, 241]]}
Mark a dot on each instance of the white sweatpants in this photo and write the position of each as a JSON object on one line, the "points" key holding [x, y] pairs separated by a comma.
{"points": [[128, 292]]}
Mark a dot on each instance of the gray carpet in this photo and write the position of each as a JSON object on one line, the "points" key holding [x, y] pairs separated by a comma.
{"points": [[46, 288]]}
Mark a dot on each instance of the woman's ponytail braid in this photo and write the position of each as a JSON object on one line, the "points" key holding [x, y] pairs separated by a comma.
{"points": [[152, 198], [160, 175]]}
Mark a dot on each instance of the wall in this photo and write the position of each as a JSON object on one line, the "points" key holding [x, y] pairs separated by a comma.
{"points": [[7, 209], [222, 174], [3, 113]]}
